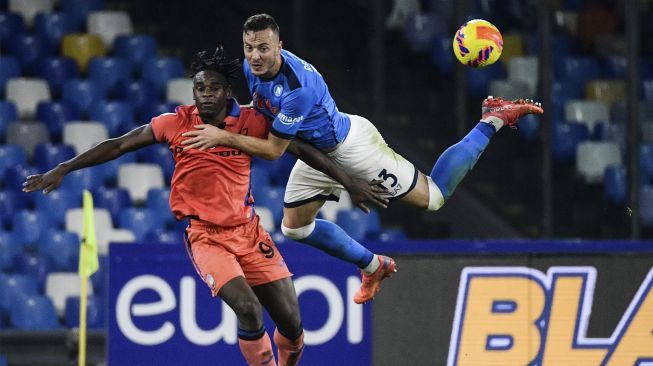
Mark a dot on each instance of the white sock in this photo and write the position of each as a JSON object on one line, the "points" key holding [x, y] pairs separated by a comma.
{"points": [[373, 266], [496, 122]]}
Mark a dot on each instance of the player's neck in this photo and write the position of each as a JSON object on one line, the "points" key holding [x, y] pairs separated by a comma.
{"points": [[218, 120]]}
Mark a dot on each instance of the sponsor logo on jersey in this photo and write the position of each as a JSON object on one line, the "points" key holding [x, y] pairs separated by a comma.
{"points": [[521, 316], [286, 120]]}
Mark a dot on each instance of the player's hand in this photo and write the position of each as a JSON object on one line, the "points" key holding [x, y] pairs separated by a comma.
{"points": [[362, 192], [46, 181], [204, 137]]}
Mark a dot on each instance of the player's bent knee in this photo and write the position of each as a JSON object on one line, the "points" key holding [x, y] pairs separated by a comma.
{"points": [[436, 199], [298, 233]]}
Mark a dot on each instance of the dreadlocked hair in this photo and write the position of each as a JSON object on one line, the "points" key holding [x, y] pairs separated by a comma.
{"points": [[217, 62]]}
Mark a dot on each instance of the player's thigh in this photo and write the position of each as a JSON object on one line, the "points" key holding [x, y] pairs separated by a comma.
{"points": [[300, 216], [418, 196], [280, 300]]}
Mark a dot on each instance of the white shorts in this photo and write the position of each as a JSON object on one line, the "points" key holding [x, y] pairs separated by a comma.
{"points": [[365, 155]]}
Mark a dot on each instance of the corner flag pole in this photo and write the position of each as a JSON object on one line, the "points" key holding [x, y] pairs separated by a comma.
{"points": [[88, 264]]}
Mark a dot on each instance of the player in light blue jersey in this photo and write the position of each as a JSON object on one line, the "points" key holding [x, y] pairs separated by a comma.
{"points": [[294, 95]]}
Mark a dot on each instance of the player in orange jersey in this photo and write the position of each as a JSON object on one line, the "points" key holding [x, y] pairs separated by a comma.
{"points": [[232, 253]]}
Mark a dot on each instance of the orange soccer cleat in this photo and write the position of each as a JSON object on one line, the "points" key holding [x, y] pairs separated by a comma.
{"points": [[372, 283], [509, 111]]}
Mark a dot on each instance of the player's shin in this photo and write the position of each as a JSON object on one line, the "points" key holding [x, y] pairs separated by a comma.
{"points": [[452, 166], [256, 347], [290, 350], [331, 239]]}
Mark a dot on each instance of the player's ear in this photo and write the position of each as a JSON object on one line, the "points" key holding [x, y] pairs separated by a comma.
{"points": [[280, 44]]}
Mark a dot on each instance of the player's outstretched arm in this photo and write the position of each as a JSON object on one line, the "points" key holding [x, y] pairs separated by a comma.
{"points": [[206, 136], [360, 191], [104, 151]]}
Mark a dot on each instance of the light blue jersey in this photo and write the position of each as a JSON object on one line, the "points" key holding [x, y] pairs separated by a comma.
{"points": [[298, 100]]}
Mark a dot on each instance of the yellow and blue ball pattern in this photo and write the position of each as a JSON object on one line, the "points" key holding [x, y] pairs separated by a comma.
{"points": [[477, 43]]}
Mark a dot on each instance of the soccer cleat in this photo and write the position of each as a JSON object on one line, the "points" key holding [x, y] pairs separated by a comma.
{"points": [[372, 283], [509, 111]]}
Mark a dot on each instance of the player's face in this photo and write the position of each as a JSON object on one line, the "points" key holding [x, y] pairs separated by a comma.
{"points": [[210, 92], [262, 52]]}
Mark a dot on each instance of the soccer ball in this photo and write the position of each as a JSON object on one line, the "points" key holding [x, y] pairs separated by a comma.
{"points": [[477, 43]]}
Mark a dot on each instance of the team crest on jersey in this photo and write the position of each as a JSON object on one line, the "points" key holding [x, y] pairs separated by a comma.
{"points": [[278, 89]]}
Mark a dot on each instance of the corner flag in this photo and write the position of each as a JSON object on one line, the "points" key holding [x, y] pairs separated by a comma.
{"points": [[88, 264], [88, 259]]}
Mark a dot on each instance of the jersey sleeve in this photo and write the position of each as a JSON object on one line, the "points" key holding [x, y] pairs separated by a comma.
{"points": [[294, 110], [164, 126]]}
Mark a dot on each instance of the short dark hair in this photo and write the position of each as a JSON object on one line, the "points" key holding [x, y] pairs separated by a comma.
{"points": [[260, 22], [216, 62]]}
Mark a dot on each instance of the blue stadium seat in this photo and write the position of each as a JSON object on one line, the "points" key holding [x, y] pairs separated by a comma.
{"points": [[563, 45], [56, 70], [56, 203], [109, 71], [82, 93], [353, 222], [29, 224], [421, 29], [15, 175], [49, 155], [373, 219], [647, 90], [260, 176], [160, 236], [10, 247], [646, 205], [579, 69], [158, 200], [34, 265], [136, 48], [79, 180], [34, 312], [272, 198], [159, 70], [11, 24], [159, 154], [77, 10], [139, 93], [8, 114], [94, 312], [62, 247], [140, 221], [52, 27], [392, 234], [441, 55], [9, 68], [280, 169], [11, 155], [110, 168], [478, 80], [615, 184], [566, 137], [55, 114], [529, 127], [13, 286], [10, 202], [118, 116], [646, 163], [113, 199], [156, 109], [29, 49], [563, 91]]}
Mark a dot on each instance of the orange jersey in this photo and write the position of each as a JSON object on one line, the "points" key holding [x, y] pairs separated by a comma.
{"points": [[212, 185]]}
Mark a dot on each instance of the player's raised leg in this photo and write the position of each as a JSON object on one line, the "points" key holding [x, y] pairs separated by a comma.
{"points": [[452, 166]]}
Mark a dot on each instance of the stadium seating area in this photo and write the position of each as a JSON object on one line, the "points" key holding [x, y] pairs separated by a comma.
{"points": [[72, 74], [589, 112]]}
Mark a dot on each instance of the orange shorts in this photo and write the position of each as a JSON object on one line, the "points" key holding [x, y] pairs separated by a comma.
{"points": [[221, 254]]}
